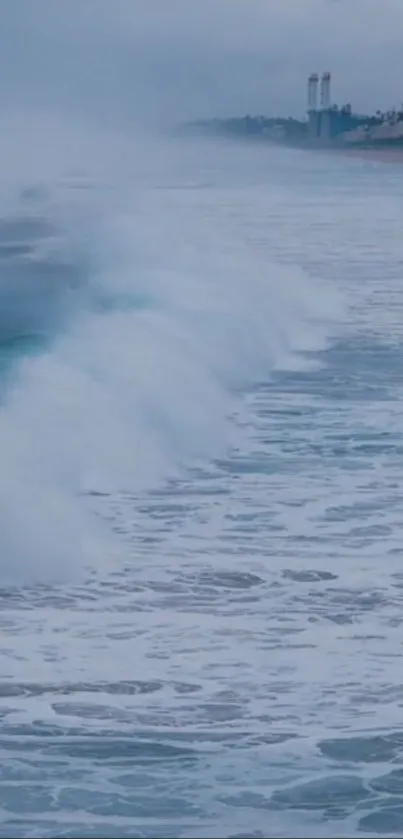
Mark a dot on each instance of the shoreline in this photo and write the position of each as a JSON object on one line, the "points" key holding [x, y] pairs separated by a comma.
{"points": [[376, 154], [382, 155]]}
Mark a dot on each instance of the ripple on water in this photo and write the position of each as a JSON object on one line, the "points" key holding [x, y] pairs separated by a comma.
{"points": [[218, 680]]}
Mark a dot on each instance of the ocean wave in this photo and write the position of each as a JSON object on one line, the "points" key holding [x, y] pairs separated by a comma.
{"points": [[153, 315]]}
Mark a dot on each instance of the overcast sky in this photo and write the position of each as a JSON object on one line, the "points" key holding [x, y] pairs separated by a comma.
{"points": [[186, 58]]}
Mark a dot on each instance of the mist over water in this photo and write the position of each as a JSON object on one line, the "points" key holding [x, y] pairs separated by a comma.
{"points": [[143, 306], [200, 444]]}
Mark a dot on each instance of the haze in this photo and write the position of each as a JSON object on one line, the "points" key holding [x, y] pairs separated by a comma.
{"points": [[171, 59]]}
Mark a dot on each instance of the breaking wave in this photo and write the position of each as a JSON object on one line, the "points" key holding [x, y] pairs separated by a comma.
{"points": [[130, 319]]}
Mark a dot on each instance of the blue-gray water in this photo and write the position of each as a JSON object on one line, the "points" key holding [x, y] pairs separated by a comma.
{"points": [[201, 500]]}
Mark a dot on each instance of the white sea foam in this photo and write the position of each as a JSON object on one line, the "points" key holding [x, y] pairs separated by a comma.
{"points": [[176, 308]]}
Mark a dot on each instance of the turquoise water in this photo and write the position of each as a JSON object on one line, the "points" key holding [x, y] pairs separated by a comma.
{"points": [[201, 504]]}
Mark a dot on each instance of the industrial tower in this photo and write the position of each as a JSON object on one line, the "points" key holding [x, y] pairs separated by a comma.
{"points": [[319, 121]]}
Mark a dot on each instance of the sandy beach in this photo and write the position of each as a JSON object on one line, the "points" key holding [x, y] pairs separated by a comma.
{"points": [[381, 155]]}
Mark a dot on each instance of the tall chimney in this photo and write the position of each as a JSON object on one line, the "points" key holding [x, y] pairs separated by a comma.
{"points": [[325, 91], [315, 83], [310, 93], [325, 127]]}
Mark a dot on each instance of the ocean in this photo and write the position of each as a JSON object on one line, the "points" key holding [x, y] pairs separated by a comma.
{"points": [[201, 503]]}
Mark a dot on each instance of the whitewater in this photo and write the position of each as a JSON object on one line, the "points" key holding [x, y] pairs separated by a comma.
{"points": [[200, 499]]}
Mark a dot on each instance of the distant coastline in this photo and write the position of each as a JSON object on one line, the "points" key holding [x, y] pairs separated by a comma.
{"points": [[326, 127]]}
